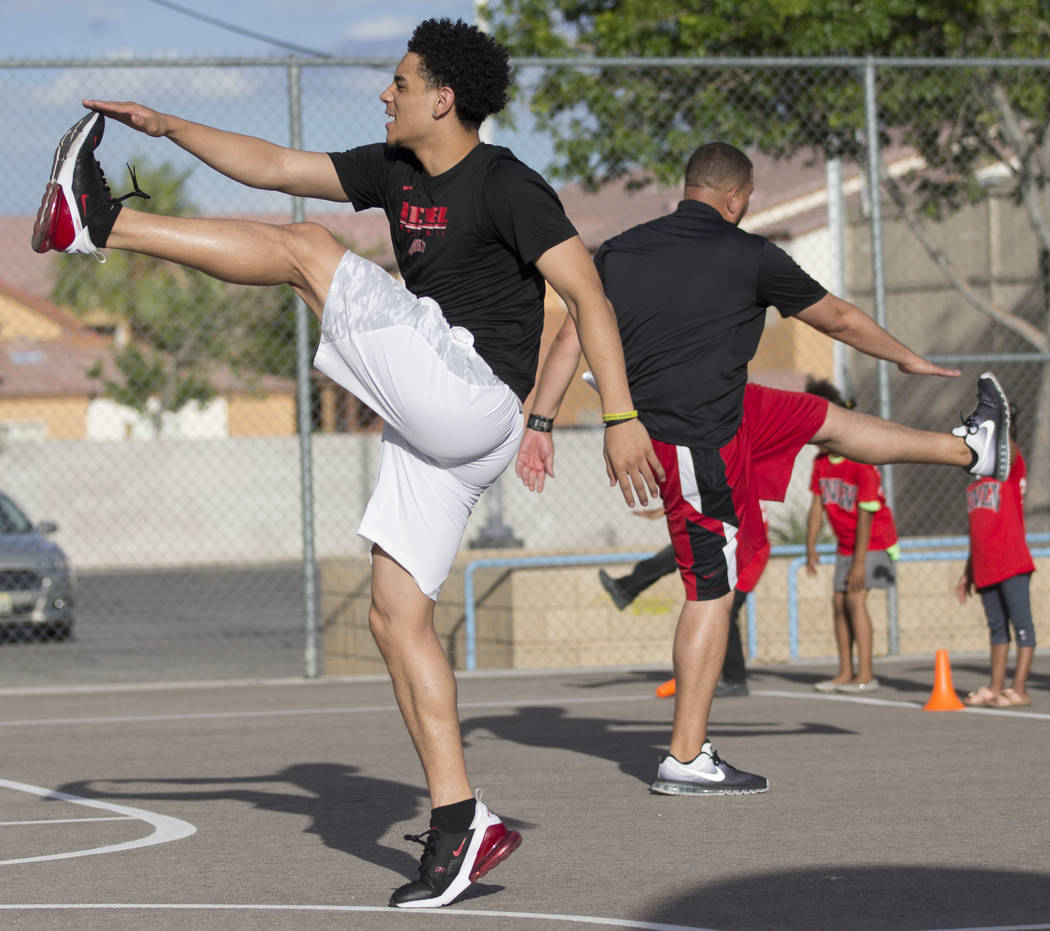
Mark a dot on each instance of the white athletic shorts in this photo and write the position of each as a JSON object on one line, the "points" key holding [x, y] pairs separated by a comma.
{"points": [[450, 425]]}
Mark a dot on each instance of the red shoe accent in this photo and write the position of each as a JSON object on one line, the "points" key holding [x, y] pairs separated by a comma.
{"points": [[497, 844], [54, 227]]}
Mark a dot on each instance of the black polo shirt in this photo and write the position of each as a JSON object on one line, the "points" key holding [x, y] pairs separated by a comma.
{"points": [[691, 292]]}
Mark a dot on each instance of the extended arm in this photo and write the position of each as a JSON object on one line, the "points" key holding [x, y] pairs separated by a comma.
{"points": [[849, 324], [629, 456], [251, 161]]}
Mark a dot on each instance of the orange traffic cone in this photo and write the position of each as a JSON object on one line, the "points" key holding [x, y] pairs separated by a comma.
{"points": [[943, 697], [666, 690]]}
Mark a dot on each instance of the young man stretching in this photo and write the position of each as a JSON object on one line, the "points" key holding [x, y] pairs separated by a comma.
{"points": [[445, 361]]}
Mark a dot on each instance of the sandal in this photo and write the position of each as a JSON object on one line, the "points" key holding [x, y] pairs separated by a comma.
{"points": [[981, 698], [1011, 698]]}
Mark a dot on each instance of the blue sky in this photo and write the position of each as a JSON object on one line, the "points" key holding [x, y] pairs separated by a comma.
{"points": [[104, 28], [45, 101]]}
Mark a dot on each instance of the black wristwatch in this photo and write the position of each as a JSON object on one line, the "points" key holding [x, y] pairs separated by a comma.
{"points": [[542, 424]]}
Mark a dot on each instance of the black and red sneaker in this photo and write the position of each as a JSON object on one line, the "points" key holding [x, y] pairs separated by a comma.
{"points": [[78, 211], [451, 862]]}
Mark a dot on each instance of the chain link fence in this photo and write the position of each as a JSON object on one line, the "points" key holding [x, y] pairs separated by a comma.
{"points": [[153, 414]]}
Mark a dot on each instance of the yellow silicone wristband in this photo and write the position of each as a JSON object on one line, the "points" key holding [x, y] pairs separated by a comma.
{"points": [[615, 418]]}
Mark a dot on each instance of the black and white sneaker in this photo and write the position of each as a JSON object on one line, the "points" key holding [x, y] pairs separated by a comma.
{"points": [[707, 774], [451, 862], [78, 211], [987, 430]]}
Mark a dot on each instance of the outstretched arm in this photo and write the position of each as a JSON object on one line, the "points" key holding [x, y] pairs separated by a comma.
{"points": [[251, 161], [630, 459], [849, 324]]}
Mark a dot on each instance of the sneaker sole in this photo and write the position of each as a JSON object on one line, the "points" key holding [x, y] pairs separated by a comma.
{"points": [[1002, 437], [502, 849], [43, 228], [662, 787]]}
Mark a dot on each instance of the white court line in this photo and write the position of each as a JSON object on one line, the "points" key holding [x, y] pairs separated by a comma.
{"points": [[894, 703], [15, 824], [165, 828], [429, 912], [292, 712], [646, 697]]}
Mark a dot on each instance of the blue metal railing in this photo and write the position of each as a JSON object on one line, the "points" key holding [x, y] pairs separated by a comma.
{"points": [[928, 550]]}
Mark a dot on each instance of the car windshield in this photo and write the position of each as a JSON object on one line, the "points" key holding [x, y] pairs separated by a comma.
{"points": [[12, 520]]}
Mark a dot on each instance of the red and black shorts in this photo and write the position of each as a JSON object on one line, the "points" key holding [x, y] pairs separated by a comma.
{"points": [[711, 496]]}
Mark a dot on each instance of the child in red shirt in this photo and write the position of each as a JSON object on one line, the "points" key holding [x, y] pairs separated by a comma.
{"points": [[999, 567], [850, 493]]}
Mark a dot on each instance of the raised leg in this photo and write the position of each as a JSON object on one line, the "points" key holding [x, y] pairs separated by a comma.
{"points": [[303, 255]]}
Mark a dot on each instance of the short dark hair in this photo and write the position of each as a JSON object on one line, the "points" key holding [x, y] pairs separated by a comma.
{"points": [[461, 56], [718, 165], [825, 389]]}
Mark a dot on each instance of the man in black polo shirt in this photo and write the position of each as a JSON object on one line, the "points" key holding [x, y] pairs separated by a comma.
{"points": [[690, 292]]}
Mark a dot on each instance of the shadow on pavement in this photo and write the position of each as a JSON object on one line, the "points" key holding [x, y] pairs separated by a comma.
{"points": [[901, 897]]}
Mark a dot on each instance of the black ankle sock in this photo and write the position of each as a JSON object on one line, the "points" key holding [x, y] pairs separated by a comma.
{"points": [[454, 818], [100, 223]]}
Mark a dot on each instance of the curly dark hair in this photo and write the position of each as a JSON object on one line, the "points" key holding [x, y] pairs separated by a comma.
{"points": [[825, 389], [461, 56]]}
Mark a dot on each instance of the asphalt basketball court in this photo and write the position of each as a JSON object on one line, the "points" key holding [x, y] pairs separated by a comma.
{"points": [[282, 804]]}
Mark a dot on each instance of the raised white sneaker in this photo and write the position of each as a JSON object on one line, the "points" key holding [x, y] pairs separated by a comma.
{"points": [[707, 774], [987, 430]]}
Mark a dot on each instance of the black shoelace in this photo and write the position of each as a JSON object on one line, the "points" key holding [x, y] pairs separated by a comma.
{"points": [[429, 841], [972, 421], [135, 192]]}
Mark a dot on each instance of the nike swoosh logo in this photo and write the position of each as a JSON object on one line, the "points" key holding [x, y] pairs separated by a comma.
{"points": [[459, 849], [716, 776]]}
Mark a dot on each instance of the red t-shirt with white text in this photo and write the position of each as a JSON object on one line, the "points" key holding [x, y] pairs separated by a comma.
{"points": [[843, 485], [998, 550]]}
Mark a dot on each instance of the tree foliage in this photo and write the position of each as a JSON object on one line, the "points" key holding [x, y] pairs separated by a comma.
{"points": [[180, 324], [642, 122]]}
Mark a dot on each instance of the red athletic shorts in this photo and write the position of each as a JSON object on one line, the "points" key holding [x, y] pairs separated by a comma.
{"points": [[711, 496]]}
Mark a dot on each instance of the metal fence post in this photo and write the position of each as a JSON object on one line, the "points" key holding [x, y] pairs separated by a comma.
{"points": [[879, 299], [304, 363]]}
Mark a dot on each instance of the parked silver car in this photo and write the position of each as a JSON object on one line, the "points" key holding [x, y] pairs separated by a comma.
{"points": [[36, 585]]}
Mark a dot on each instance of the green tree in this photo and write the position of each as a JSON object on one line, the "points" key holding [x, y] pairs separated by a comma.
{"points": [[180, 324], [610, 122]]}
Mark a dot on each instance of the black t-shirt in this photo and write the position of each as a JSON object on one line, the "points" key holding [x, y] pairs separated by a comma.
{"points": [[467, 238], [691, 291]]}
